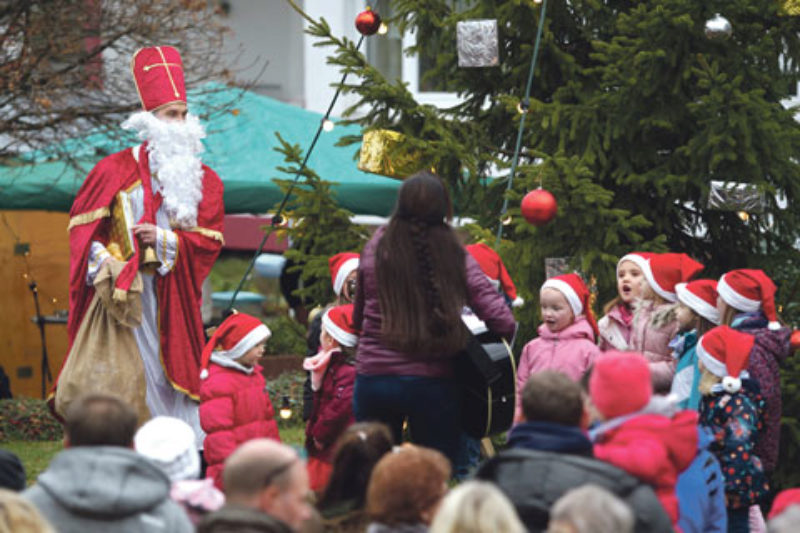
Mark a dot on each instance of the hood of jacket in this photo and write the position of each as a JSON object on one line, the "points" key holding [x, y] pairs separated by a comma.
{"points": [[775, 342], [580, 329], [550, 437], [104, 481]]}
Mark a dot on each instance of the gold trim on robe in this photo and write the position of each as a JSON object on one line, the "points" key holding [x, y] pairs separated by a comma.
{"points": [[210, 233], [88, 217]]}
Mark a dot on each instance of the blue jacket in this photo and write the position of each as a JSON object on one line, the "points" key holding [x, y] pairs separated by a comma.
{"points": [[701, 491], [687, 375]]}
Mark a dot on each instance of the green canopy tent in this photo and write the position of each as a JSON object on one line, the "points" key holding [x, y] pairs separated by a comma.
{"points": [[239, 147]]}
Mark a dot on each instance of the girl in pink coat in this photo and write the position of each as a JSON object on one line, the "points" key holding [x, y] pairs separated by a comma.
{"points": [[566, 337], [654, 321], [614, 329], [234, 402]]}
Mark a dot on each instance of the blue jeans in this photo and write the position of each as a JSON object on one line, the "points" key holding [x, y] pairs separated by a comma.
{"points": [[431, 405]]}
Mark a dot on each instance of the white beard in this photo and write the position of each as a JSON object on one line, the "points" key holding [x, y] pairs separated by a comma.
{"points": [[174, 149]]}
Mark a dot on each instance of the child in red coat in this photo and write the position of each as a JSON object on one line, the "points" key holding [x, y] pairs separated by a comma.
{"points": [[234, 403], [652, 447], [332, 379]]}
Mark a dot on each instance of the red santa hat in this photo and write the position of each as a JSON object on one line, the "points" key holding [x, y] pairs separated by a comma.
{"points": [[701, 297], [784, 500], [341, 265], [620, 383], [233, 338], [158, 75], [577, 294], [725, 352], [750, 290], [492, 265], [637, 258], [664, 271], [338, 322]]}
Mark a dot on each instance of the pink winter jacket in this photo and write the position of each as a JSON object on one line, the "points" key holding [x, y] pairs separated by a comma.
{"points": [[234, 408], [570, 351], [652, 329], [615, 334]]}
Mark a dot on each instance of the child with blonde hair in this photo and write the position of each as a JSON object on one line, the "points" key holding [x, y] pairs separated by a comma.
{"points": [[614, 329], [566, 341], [747, 303], [476, 507], [732, 409], [696, 314], [654, 322]]}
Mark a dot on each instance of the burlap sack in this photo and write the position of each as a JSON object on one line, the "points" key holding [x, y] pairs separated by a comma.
{"points": [[104, 357]]}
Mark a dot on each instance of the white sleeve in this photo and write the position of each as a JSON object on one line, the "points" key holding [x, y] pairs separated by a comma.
{"points": [[97, 256], [166, 249]]}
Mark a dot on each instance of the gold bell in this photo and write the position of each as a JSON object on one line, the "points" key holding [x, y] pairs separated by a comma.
{"points": [[149, 262]]}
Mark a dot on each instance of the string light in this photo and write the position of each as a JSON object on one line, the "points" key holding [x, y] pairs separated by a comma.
{"points": [[383, 29], [286, 408], [506, 221], [744, 215], [327, 125]]}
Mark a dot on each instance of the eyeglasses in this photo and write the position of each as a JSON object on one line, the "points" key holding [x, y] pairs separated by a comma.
{"points": [[351, 287]]}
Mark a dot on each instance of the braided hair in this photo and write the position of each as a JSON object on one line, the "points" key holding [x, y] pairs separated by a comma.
{"points": [[420, 272]]}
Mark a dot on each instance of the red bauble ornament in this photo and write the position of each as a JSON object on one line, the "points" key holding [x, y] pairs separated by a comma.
{"points": [[368, 22], [794, 340], [539, 207]]}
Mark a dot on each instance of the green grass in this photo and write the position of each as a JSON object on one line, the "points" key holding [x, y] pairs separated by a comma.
{"points": [[35, 456]]}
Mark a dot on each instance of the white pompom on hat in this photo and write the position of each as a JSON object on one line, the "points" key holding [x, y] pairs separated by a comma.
{"points": [[233, 338], [725, 352], [749, 290]]}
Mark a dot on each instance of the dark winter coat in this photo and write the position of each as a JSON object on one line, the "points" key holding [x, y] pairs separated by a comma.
{"points": [[735, 423], [373, 358], [332, 409], [550, 437], [235, 519], [771, 349], [533, 480]]}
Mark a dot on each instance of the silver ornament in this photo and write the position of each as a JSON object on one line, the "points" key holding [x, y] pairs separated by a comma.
{"points": [[718, 28]]}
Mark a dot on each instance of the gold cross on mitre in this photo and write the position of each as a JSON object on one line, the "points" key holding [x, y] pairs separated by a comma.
{"points": [[166, 65]]}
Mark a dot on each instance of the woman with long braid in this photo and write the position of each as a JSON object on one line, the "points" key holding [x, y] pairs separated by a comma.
{"points": [[414, 281]]}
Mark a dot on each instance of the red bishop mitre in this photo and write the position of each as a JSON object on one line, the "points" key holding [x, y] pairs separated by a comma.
{"points": [[158, 74]]}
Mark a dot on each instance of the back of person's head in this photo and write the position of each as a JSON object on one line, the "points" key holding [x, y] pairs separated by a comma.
{"points": [[550, 396], [12, 472], [357, 451], [18, 515], [170, 443], [421, 274], [590, 509], [476, 507], [99, 420], [407, 485], [267, 475], [620, 383]]}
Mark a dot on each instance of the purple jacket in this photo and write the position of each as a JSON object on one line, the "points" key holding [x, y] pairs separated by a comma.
{"points": [[570, 351], [373, 358], [652, 329], [769, 351]]}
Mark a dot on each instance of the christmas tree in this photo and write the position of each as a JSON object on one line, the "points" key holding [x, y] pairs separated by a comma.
{"points": [[635, 109]]}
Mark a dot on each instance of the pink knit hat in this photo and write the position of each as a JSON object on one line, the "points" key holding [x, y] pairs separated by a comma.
{"points": [[620, 383]]}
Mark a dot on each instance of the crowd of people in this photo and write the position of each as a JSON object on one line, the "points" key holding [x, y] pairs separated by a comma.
{"points": [[664, 415]]}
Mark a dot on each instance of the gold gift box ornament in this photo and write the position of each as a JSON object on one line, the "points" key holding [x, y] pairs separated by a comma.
{"points": [[386, 152]]}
